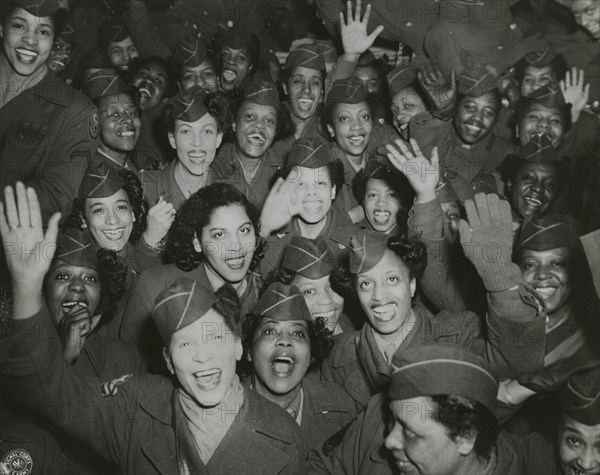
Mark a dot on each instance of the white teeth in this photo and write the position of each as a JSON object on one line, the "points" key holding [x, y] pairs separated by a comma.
{"points": [[235, 260], [206, 373], [256, 139], [546, 291], [197, 155], [305, 104], [356, 140], [324, 314], [114, 234], [73, 303], [533, 201], [128, 133], [385, 312], [473, 128], [312, 206], [284, 359], [29, 54], [145, 92]]}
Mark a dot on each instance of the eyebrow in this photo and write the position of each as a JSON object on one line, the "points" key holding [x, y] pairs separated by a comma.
{"points": [[573, 429]]}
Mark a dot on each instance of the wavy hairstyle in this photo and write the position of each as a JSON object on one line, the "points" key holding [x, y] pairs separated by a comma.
{"points": [[135, 194], [195, 214]]}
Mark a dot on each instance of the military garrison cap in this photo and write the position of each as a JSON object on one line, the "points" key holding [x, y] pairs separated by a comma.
{"points": [[283, 303], [549, 232], [42, 8], [307, 55], [366, 250], [347, 91], [191, 50], [100, 181], [309, 152], [76, 248], [190, 105], [105, 82], [580, 397], [310, 258], [261, 92]]}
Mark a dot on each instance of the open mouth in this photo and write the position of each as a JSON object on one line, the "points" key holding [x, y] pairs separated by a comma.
{"points": [[574, 471], [546, 292], [326, 315], [312, 206], [384, 313], [235, 263], [197, 156], [126, 133], [381, 216], [282, 365], [114, 234], [145, 93], [474, 127], [356, 140], [305, 104], [256, 139], [69, 304], [208, 379], [532, 202], [229, 75], [26, 56]]}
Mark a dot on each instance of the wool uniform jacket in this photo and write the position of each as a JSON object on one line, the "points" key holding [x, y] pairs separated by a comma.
{"points": [[53, 165], [157, 183], [337, 232], [361, 449], [137, 325], [228, 169], [135, 427], [356, 363]]}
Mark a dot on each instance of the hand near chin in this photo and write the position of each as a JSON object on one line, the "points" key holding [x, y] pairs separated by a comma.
{"points": [[74, 329], [159, 220]]}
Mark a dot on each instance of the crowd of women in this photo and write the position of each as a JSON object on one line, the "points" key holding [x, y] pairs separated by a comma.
{"points": [[236, 240]]}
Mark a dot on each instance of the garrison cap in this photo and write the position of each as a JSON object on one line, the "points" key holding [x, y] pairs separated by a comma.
{"points": [[181, 305], [191, 50], [374, 169], [435, 370], [283, 303], [366, 59], [366, 250], [401, 77], [309, 152], [347, 91], [42, 8], [446, 192], [105, 82], [476, 82], [549, 232], [236, 38], [100, 181], [539, 150], [76, 248], [541, 58], [580, 397], [307, 55], [189, 106], [113, 31], [548, 96], [310, 258], [261, 92]]}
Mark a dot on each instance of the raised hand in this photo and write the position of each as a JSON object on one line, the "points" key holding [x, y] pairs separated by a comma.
{"points": [[441, 91], [355, 39], [422, 174], [575, 91], [487, 239], [159, 220], [27, 248], [280, 206]]}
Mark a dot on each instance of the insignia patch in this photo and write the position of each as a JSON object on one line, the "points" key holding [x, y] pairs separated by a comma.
{"points": [[111, 387], [94, 125], [16, 462]]}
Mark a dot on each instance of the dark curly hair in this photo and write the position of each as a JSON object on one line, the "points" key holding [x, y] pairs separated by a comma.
{"points": [[285, 126], [463, 416], [286, 276], [558, 66], [228, 306], [113, 273], [195, 214], [59, 18], [179, 67], [411, 251], [321, 339], [218, 107], [132, 91], [135, 194], [325, 112], [171, 85]]}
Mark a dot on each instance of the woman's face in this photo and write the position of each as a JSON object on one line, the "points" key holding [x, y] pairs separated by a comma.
{"points": [[369, 77], [305, 92], [534, 189], [235, 67], [385, 294], [255, 129], [27, 41], [578, 447], [120, 123], [475, 118], [321, 299], [71, 289], [60, 56], [535, 78], [280, 355], [587, 14], [227, 243], [122, 53], [540, 120], [381, 205], [550, 274], [406, 104], [203, 75], [196, 143], [110, 220], [151, 80], [314, 191], [351, 127]]}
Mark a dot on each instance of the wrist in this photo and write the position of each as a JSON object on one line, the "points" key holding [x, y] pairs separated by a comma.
{"points": [[426, 196], [351, 57], [151, 241]]}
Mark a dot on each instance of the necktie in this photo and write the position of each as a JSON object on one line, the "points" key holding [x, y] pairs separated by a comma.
{"points": [[389, 351]]}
